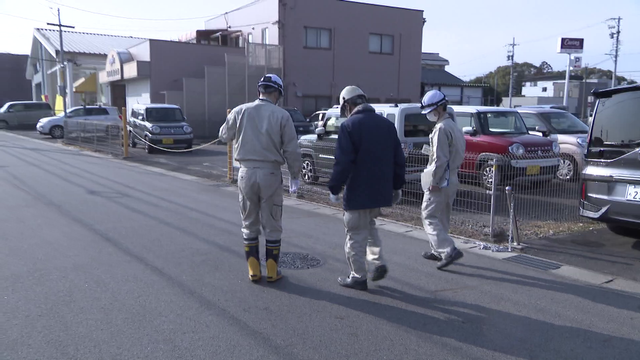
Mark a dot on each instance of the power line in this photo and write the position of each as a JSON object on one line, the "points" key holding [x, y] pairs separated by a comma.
{"points": [[132, 18]]}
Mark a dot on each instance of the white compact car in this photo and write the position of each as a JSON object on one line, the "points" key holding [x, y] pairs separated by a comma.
{"points": [[54, 126]]}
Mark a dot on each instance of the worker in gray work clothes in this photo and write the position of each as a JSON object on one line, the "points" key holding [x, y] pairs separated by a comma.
{"points": [[440, 179], [370, 162], [265, 139]]}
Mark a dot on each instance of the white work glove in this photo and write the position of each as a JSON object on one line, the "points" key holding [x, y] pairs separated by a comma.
{"points": [[294, 184], [397, 196], [334, 198]]}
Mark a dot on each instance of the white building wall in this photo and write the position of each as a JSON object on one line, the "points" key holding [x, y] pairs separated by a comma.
{"points": [[138, 92], [472, 96], [529, 90]]}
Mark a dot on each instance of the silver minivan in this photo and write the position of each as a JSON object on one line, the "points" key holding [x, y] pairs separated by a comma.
{"points": [[611, 178], [23, 113]]}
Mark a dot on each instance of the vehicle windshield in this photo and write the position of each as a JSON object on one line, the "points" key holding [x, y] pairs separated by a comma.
{"points": [[502, 123], [614, 128], [565, 123], [164, 115], [296, 116]]}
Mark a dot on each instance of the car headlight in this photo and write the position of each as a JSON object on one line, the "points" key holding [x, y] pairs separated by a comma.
{"points": [[517, 149], [187, 129], [556, 147], [582, 141], [155, 129]]}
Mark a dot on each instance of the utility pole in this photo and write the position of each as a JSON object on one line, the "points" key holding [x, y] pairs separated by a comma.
{"points": [[495, 88], [510, 57], [62, 89], [585, 97], [615, 36]]}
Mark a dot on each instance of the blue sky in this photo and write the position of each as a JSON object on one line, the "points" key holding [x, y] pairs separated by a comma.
{"points": [[471, 34]]}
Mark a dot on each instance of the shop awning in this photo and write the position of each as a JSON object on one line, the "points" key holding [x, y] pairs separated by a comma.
{"points": [[86, 84]]}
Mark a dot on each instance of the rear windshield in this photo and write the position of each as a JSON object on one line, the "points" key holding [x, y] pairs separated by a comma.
{"points": [[297, 116], [164, 115], [565, 123], [417, 125], [615, 128], [502, 123]]}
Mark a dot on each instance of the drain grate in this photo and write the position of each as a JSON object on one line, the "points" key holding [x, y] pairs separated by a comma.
{"points": [[533, 262], [296, 261]]}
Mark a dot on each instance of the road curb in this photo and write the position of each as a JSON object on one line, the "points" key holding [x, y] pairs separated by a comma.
{"points": [[469, 245]]}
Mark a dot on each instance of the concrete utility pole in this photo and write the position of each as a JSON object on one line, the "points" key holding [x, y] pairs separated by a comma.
{"points": [[565, 101], [615, 36], [510, 57], [62, 89], [585, 96]]}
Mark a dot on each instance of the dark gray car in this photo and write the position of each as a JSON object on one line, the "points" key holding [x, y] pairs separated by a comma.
{"points": [[611, 178]]}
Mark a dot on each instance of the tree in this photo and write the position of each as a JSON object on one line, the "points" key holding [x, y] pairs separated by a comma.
{"points": [[544, 68]]}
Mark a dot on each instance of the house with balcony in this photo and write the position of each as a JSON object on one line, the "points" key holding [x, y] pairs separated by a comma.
{"points": [[323, 49]]}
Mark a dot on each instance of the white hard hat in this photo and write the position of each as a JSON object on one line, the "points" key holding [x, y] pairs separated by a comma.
{"points": [[431, 100], [272, 80], [350, 92]]}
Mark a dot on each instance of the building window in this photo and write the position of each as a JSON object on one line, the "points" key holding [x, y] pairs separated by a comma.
{"points": [[544, 89], [265, 35], [249, 38], [316, 38], [380, 44]]}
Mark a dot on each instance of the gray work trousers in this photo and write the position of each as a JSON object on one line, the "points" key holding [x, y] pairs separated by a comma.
{"points": [[261, 201], [363, 242], [436, 216]]}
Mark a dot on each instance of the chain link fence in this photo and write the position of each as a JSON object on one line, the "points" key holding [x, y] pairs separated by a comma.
{"points": [[545, 187], [97, 136]]}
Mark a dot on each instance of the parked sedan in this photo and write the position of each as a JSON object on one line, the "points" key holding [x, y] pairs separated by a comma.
{"points": [[107, 116], [567, 130]]}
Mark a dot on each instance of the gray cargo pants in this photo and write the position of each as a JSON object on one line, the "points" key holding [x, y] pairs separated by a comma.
{"points": [[363, 242], [260, 187], [436, 216]]}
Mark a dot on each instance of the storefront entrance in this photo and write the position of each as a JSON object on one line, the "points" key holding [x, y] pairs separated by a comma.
{"points": [[118, 95]]}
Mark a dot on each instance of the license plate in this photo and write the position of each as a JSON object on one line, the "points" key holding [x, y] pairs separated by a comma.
{"points": [[167, 141], [533, 170], [633, 192]]}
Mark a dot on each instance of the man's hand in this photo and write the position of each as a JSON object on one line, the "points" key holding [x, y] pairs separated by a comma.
{"points": [[293, 185], [334, 198], [434, 188], [397, 196]]}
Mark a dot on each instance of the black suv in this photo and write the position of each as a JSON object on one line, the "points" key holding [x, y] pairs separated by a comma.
{"points": [[303, 127]]}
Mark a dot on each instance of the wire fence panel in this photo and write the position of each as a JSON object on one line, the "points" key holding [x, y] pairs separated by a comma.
{"points": [[98, 136], [546, 189]]}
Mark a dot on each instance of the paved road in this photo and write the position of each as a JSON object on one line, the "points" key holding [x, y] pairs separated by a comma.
{"points": [[100, 259]]}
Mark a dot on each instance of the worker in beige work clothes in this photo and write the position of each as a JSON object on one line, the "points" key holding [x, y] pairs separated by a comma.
{"points": [[440, 179], [265, 139]]}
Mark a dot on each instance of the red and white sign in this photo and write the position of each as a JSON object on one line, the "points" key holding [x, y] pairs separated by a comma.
{"points": [[570, 45], [576, 62]]}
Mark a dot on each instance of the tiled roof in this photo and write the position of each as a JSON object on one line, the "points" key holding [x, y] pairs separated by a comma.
{"points": [[87, 43], [440, 77]]}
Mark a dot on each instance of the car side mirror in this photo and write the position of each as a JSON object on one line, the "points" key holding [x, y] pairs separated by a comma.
{"points": [[320, 131], [468, 130], [543, 129]]}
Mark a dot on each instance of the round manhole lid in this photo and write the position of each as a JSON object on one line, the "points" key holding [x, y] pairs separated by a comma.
{"points": [[296, 261]]}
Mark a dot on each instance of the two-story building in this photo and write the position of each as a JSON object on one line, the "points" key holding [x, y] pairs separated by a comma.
{"points": [[329, 44], [434, 76]]}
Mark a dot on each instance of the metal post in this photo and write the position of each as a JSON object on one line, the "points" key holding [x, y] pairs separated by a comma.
{"points": [[566, 82], [493, 198], [495, 88], [514, 236], [125, 133], [229, 156], [62, 89]]}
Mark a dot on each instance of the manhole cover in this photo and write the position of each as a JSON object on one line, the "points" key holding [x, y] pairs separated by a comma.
{"points": [[296, 261]]}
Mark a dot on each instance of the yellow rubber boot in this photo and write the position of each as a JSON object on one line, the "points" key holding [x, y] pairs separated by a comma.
{"points": [[252, 252], [273, 256]]}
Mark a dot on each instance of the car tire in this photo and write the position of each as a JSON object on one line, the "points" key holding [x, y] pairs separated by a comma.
{"points": [[486, 176], [148, 148], [568, 169], [132, 140], [57, 132], [622, 230], [4, 125], [309, 171]]}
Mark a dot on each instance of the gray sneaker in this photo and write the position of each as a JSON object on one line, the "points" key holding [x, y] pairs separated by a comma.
{"points": [[450, 258]]}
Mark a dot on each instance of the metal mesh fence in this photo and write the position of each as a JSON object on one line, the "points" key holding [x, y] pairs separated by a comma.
{"points": [[96, 136], [545, 187]]}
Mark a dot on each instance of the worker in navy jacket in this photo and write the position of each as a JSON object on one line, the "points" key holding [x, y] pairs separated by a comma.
{"points": [[369, 160]]}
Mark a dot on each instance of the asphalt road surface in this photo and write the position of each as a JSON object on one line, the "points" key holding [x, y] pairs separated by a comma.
{"points": [[102, 259]]}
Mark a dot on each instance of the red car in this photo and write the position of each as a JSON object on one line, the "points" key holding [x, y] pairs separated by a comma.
{"points": [[501, 134]]}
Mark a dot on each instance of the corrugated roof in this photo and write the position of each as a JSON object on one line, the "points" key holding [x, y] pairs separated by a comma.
{"points": [[88, 43], [433, 57]]}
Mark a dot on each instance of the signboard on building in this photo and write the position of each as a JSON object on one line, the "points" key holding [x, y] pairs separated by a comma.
{"points": [[570, 45], [576, 62], [113, 67]]}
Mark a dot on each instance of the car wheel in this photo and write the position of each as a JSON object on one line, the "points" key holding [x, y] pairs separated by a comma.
{"points": [[486, 176], [132, 140], [148, 148], [622, 230], [568, 169], [308, 173], [4, 125], [56, 132]]}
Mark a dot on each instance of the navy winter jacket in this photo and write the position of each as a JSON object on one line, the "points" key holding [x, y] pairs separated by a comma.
{"points": [[368, 160]]}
